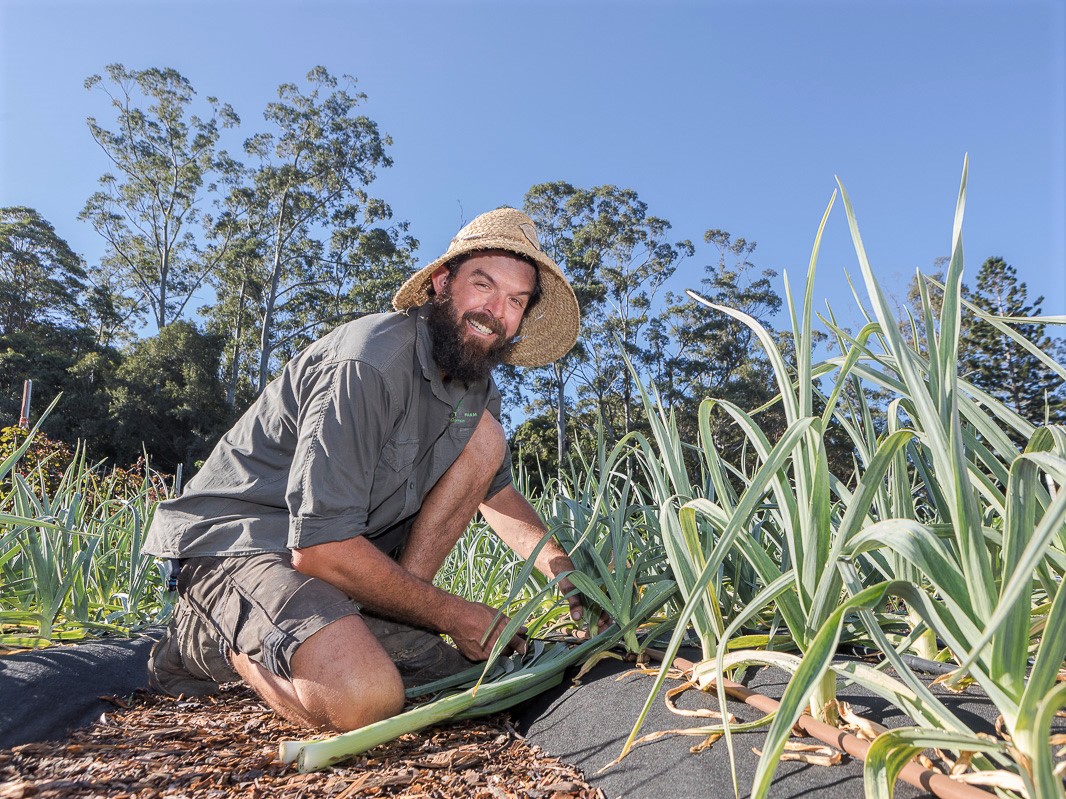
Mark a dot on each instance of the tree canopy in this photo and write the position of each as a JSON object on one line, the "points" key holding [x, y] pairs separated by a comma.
{"points": [[148, 208], [239, 260], [995, 363], [41, 279]]}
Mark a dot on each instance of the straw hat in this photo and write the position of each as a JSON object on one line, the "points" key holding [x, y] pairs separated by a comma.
{"points": [[549, 330]]}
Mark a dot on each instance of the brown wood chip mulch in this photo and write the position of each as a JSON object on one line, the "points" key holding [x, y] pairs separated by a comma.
{"points": [[226, 746]]}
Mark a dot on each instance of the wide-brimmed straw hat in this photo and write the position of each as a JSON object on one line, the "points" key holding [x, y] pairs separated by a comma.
{"points": [[549, 329]]}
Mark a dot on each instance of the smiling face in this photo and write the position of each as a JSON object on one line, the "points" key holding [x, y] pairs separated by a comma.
{"points": [[477, 310], [490, 292]]}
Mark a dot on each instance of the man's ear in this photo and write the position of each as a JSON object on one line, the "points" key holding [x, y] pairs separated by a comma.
{"points": [[439, 278]]}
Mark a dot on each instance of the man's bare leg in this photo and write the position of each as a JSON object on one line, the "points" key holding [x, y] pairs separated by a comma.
{"points": [[341, 679], [341, 676], [453, 501]]}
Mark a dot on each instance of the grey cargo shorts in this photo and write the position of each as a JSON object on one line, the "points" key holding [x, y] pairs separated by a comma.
{"points": [[260, 606]]}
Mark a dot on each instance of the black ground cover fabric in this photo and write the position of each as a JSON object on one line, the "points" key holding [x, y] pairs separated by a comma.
{"points": [[46, 693], [587, 726]]}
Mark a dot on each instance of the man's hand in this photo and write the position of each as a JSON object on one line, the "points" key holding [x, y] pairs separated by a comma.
{"points": [[577, 606], [513, 519], [468, 630]]}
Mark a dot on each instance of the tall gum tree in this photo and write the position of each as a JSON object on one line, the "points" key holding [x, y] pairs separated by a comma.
{"points": [[556, 208], [630, 258], [148, 209], [697, 353], [306, 245], [617, 257]]}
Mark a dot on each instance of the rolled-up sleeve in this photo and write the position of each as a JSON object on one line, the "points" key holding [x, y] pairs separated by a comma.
{"points": [[342, 429]]}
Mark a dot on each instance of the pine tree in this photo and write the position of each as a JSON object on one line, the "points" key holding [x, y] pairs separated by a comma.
{"points": [[996, 364]]}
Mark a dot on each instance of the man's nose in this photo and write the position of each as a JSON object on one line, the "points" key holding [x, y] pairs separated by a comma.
{"points": [[494, 305]]}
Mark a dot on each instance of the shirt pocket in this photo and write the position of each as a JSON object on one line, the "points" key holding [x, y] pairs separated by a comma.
{"points": [[400, 455]]}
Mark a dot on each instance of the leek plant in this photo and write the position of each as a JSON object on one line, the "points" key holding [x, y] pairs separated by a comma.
{"points": [[986, 536], [611, 531], [464, 696], [70, 557], [965, 533], [787, 498], [482, 568]]}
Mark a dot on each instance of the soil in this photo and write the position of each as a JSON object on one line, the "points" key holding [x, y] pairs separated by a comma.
{"points": [[226, 746]]}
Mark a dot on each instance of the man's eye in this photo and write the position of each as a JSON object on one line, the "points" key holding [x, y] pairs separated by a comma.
{"points": [[517, 302]]}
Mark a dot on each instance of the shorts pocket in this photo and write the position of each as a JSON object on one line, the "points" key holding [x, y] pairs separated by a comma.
{"points": [[230, 617]]}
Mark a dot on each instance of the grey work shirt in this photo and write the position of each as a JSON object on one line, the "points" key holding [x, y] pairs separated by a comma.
{"points": [[347, 441]]}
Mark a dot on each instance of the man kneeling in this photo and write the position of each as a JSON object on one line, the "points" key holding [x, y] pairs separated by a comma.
{"points": [[308, 542]]}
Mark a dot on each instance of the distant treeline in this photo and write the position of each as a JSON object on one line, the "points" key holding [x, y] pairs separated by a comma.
{"points": [[290, 242]]}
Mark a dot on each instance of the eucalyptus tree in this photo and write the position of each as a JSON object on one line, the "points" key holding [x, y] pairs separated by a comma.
{"points": [[305, 245], [556, 208], [232, 316], [630, 258], [617, 256], [41, 278], [693, 355], [149, 206], [696, 354], [111, 312]]}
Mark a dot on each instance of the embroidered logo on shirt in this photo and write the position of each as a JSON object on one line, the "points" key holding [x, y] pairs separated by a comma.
{"points": [[459, 416]]}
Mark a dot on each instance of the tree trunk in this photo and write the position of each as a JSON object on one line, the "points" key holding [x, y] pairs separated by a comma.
{"points": [[267, 329], [234, 372], [560, 414], [161, 307]]}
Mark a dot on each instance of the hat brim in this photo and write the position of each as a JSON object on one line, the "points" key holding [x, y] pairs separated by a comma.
{"points": [[548, 331]]}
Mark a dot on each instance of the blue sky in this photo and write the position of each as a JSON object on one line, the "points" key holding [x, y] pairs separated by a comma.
{"points": [[720, 115]]}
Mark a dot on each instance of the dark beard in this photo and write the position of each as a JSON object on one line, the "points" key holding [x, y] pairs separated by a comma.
{"points": [[459, 356]]}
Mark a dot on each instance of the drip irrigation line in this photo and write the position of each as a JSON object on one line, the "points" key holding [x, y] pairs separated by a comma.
{"points": [[912, 774], [920, 664], [927, 666]]}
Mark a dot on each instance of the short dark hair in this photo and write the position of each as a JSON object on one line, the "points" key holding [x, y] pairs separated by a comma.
{"points": [[453, 267]]}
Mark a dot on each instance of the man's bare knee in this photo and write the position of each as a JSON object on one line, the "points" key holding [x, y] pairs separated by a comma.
{"points": [[488, 445], [343, 677]]}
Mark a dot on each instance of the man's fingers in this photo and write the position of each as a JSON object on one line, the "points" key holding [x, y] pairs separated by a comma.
{"points": [[518, 644], [577, 610], [518, 641]]}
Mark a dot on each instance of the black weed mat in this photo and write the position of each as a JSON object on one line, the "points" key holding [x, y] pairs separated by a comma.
{"points": [[587, 726], [46, 693]]}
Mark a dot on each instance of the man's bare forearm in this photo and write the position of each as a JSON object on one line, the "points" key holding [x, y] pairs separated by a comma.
{"points": [[513, 519], [378, 583], [383, 586]]}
